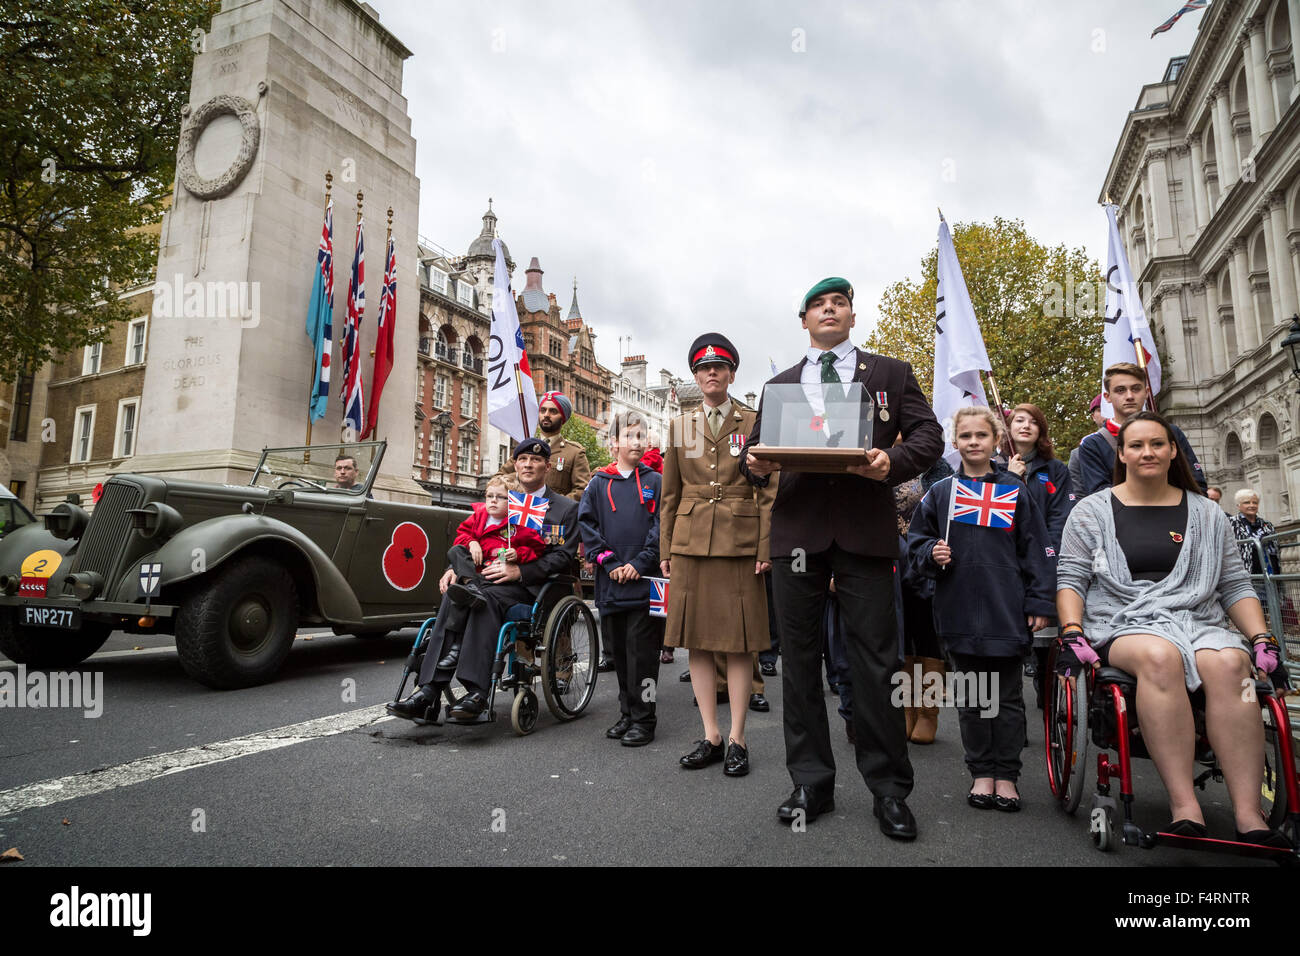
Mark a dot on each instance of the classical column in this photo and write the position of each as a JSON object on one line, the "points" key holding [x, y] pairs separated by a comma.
{"points": [[1263, 87], [1158, 184], [1169, 307], [1275, 262], [1200, 197], [1244, 319], [1223, 142], [1213, 328], [1252, 97], [1293, 18], [1281, 272]]}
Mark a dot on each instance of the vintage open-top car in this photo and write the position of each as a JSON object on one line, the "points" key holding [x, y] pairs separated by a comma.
{"points": [[231, 570]]}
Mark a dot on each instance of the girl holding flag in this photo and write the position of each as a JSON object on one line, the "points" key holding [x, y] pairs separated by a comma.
{"points": [[981, 539]]}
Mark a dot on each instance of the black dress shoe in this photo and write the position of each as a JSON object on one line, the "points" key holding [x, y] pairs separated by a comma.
{"points": [[637, 737], [417, 705], [768, 668], [468, 708], [453, 655], [685, 676], [980, 801], [704, 754], [1187, 828], [850, 733], [737, 764], [466, 595], [807, 801], [605, 666], [619, 729], [1273, 838], [895, 819], [759, 703], [1006, 804]]}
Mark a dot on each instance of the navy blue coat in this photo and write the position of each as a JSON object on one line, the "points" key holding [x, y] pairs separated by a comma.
{"points": [[1053, 494], [614, 516], [997, 578], [1097, 461]]}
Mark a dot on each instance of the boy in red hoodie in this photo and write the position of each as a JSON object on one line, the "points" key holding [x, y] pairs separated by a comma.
{"points": [[481, 538]]}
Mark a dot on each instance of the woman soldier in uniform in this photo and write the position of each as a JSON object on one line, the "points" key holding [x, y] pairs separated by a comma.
{"points": [[714, 541]]}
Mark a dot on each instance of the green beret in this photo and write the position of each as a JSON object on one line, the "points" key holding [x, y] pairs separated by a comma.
{"points": [[833, 284]]}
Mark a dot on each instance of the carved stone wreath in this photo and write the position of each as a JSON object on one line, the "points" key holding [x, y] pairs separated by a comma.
{"points": [[196, 123]]}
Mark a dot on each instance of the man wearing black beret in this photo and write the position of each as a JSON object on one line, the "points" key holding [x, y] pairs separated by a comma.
{"points": [[464, 639], [843, 525]]}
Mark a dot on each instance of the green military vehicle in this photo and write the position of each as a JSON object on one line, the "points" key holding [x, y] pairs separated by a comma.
{"points": [[231, 571]]}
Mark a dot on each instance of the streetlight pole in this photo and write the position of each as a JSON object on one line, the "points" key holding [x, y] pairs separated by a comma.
{"points": [[443, 423], [1291, 344]]}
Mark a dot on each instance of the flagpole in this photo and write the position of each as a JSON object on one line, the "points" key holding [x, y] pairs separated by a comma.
{"points": [[1140, 354], [373, 427], [1007, 447], [947, 528], [523, 410], [306, 458]]}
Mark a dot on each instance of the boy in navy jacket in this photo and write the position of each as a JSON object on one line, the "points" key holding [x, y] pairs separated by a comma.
{"points": [[619, 522], [994, 582]]}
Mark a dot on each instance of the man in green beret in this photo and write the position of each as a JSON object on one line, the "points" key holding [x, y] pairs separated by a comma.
{"points": [[843, 525]]}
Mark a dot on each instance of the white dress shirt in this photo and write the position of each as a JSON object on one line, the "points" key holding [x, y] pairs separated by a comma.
{"points": [[811, 377]]}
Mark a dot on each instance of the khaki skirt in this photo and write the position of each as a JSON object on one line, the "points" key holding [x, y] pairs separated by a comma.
{"points": [[717, 604]]}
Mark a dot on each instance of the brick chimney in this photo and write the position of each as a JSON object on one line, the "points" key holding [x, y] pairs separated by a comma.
{"points": [[634, 367]]}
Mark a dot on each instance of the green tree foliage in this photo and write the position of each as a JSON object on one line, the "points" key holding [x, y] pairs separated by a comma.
{"points": [[575, 429], [91, 114], [1039, 309]]}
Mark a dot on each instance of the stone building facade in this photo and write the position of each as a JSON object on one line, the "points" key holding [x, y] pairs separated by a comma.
{"points": [[657, 403], [1206, 175]]}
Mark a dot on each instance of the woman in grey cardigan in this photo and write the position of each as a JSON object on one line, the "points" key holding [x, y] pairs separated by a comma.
{"points": [[1147, 571]]}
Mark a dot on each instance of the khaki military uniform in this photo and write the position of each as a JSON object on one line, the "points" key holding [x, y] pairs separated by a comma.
{"points": [[713, 527], [569, 471]]}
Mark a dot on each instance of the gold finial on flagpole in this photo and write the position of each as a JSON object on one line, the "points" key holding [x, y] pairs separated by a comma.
{"points": [[360, 199], [941, 219]]}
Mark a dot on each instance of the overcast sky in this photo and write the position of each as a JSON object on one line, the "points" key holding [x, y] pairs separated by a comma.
{"points": [[696, 172]]}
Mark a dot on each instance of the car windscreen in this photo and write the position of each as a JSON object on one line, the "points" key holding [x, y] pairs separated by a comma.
{"points": [[12, 515], [339, 469]]}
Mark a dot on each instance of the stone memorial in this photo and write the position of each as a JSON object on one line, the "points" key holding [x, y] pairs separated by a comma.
{"points": [[283, 91]]}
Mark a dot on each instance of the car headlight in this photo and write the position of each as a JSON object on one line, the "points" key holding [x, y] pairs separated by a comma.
{"points": [[156, 520], [66, 521], [85, 584]]}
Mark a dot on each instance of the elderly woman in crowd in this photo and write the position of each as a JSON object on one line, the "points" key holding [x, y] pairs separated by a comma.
{"points": [[1248, 525]]}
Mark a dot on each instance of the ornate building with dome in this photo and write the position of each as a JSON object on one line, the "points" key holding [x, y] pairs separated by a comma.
{"points": [[1206, 175]]}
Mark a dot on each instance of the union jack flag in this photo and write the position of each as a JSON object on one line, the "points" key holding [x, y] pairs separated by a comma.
{"points": [[325, 254], [1051, 487], [984, 504], [1185, 8], [527, 510], [354, 402], [658, 597]]}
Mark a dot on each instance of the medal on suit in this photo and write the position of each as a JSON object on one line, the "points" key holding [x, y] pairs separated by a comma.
{"points": [[559, 463], [882, 399], [736, 441]]}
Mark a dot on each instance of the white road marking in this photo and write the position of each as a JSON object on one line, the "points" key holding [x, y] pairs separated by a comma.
{"points": [[46, 792]]}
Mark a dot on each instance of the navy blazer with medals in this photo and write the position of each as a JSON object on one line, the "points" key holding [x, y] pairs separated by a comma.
{"points": [[814, 511]]}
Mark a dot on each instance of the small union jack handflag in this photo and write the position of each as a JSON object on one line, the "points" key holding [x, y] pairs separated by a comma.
{"points": [[1051, 487], [658, 597], [984, 504], [527, 510]]}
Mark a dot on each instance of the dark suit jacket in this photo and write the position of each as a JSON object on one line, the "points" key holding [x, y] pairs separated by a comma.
{"points": [[560, 532], [814, 511]]}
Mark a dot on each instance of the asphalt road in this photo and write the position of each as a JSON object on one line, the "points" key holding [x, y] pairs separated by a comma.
{"points": [[367, 790]]}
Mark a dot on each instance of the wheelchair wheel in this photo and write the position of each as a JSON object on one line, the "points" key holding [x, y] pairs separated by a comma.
{"points": [[1066, 734], [523, 712], [569, 653], [1273, 793]]}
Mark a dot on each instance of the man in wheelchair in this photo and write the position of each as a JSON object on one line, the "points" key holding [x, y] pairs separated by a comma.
{"points": [[473, 629], [1147, 570]]}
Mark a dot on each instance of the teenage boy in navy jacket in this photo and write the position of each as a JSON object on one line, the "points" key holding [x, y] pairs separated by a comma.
{"points": [[619, 522]]}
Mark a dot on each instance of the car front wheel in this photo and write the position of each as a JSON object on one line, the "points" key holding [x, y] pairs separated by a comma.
{"points": [[237, 626]]}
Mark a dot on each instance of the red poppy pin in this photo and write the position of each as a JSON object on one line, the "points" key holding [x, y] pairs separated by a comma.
{"points": [[817, 423], [1178, 538]]}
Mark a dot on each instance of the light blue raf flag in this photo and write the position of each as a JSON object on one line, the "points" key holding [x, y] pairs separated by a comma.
{"points": [[320, 327]]}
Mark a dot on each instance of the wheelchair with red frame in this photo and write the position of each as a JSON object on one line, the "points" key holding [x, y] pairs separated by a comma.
{"points": [[1086, 706], [554, 640]]}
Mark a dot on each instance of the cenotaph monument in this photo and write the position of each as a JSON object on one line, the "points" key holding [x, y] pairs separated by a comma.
{"points": [[283, 92]]}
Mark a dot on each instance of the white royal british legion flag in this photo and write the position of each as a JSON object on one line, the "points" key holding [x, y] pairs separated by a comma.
{"points": [[984, 504]]}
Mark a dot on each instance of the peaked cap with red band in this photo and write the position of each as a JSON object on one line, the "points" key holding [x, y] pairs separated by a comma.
{"points": [[712, 347]]}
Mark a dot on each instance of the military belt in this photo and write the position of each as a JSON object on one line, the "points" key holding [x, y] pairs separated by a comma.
{"points": [[716, 491]]}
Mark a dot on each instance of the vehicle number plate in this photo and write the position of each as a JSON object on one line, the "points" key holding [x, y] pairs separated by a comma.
{"points": [[66, 618]]}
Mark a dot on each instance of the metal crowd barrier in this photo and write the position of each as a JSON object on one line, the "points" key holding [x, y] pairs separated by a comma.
{"points": [[1279, 591]]}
